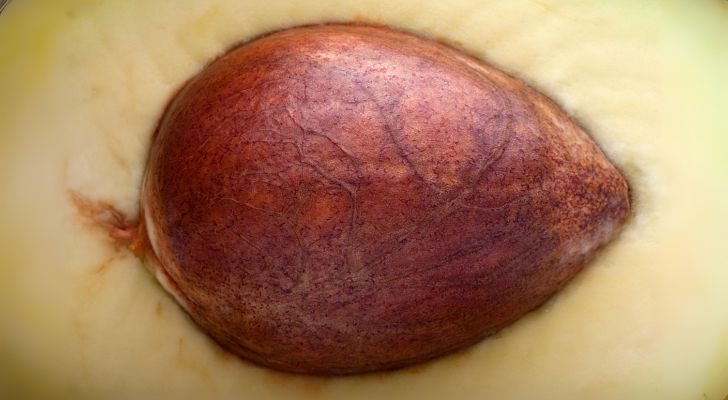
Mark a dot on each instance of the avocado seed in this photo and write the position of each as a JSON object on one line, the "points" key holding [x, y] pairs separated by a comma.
{"points": [[342, 198]]}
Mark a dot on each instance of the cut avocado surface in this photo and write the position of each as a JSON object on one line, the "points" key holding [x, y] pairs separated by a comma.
{"points": [[82, 85]]}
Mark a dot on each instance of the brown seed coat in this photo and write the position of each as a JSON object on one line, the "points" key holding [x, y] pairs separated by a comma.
{"points": [[340, 198]]}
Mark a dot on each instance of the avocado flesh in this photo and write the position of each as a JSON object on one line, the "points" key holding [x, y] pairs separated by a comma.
{"points": [[85, 82]]}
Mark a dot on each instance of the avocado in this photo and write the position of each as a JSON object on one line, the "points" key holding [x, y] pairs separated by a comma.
{"points": [[83, 84]]}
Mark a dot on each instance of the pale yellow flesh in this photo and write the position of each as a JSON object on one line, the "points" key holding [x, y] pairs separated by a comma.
{"points": [[82, 84]]}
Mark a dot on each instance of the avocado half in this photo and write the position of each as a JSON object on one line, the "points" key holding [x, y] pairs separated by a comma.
{"points": [[83, 84]]}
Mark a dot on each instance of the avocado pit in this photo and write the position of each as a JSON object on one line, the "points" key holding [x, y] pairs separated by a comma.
{"points": [[341, 198]]}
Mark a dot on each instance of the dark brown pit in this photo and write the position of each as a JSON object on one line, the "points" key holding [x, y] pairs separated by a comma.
{"points": [[340, 198]]}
